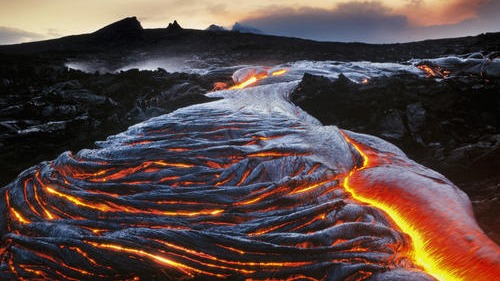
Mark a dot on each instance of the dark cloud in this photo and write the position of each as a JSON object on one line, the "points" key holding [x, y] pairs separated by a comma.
{"points": [[488, 10], [461, 8], [370, 22], [9, 35], [356, 21]]}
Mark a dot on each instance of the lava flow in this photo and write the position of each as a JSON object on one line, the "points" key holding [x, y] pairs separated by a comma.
{"points": [[458, 251], [248, 187], [252, 76], [434, 70], [248, 77]]}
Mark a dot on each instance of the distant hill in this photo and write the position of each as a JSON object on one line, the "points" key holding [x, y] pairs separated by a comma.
{"points": [[127, 38], [238, 27], [125, 29], [214, 27]]}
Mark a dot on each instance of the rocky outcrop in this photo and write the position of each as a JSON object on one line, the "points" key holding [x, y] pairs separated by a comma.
{"points": [[125, 29], [174, 26], [214, 27], [238, 27]]}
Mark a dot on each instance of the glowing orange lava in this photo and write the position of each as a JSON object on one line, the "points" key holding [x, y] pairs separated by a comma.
{"points": [[448, 245], [157, 258], [279, 72], [254, 78], [247, 82], [434, 71]]}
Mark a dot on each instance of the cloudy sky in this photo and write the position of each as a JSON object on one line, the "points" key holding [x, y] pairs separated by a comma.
{"points": [[373, 21]]}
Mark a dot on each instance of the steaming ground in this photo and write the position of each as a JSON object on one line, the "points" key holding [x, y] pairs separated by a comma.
{"points": [[357, 71]]}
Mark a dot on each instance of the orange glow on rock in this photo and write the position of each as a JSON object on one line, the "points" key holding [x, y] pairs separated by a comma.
{"points": [[16, 214], [111, 207], [176, 165], [271, 154], [19, 217], [219, 86], [157, 258], [309, 187]]}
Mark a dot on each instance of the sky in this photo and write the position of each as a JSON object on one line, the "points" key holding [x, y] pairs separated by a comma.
{"points": [[371, 21]]}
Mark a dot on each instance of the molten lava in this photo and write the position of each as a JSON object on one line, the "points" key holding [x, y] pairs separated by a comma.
{"points": [[434, 70], [250, 79], [459, 251]]}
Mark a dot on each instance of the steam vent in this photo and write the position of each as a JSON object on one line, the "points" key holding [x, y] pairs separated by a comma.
{"points": [[248, 187]]}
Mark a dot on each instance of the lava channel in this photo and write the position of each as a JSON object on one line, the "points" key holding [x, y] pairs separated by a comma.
{"points": [[248, 187]]}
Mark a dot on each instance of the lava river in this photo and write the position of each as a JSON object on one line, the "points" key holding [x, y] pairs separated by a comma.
{"points": [[248, 187]]}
